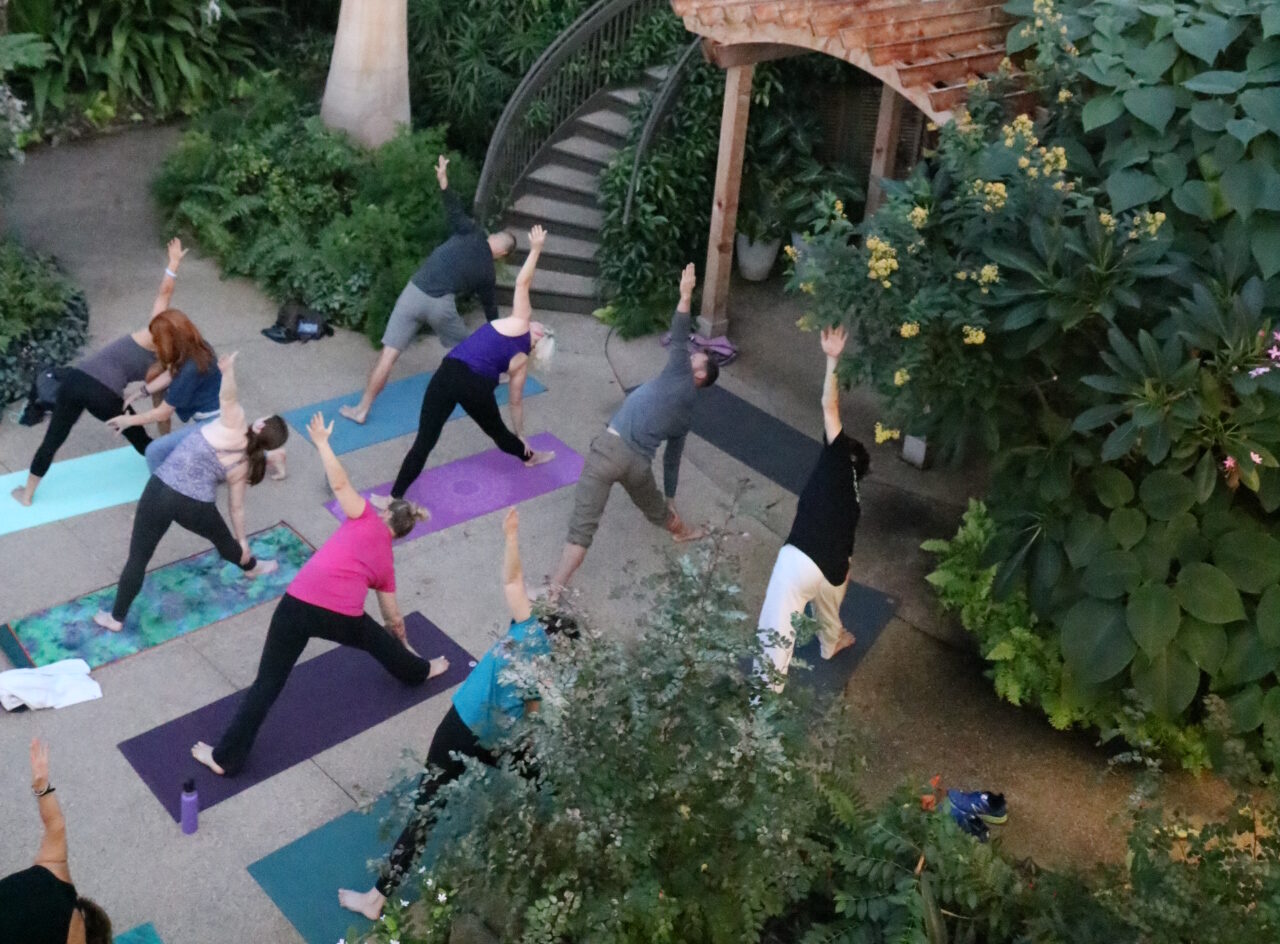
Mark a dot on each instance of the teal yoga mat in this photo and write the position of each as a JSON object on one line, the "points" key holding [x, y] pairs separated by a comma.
{"points": [[142, 934], [176, 599], [75, 487], [394, 413]]}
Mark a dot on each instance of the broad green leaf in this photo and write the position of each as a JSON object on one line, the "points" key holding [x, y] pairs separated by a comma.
{"points": [[1111, 575], [1170, 169], [1152, 104], [1264, 242], [1195, 198], [1244, 130], [1205, 478], [1247, 659], [1204, 642], [1165, 495], [1245, 707], [1086, 538], [1267, 616], [1153, 617], [1120, 441], [1243, 185], [1095, 641], [1263, 105], [1129, 188], [1101, 110], [1217, 83], [1127, 526], [1208, 594], [1112, 486], [1166, 681], [1097, 416], [1211, 115], [1270, 20], [1250, 558], [1205, 40]]}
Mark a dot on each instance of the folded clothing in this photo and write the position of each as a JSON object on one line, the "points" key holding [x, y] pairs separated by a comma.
{"points": [[56, 685]]}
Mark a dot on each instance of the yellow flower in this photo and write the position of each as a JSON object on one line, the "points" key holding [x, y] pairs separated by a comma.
{"points": [[918, 217], [684, 810], [962, 275], [930, 126], [1023, 162], [994, 197], [900, 377], [840, 208], [974, 335], [806, 287], [883, 261], [791, 252], [1107, 221], [1033, 172], [885, 283], [1064, 95], [909, 329], [884, 434], [1152, 222], [1054, 159], [990, 274]]}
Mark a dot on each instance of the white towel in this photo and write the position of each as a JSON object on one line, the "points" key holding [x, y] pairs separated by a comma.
{"points": [[50, 686]]}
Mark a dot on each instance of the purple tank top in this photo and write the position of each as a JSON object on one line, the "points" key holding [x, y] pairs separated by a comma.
{"points": [[488, 353]]}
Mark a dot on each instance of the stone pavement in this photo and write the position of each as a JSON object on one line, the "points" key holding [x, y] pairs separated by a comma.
{"points": [[925, 707]]}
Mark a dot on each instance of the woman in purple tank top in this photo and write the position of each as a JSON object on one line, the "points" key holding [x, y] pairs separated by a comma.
{"points": [[468, 377]]}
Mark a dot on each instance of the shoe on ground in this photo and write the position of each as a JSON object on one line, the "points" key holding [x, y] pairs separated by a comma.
{"points": [[970, 823], [988, 807]]}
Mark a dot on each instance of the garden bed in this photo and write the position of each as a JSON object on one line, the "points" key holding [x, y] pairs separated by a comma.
{"points": [[44, 319]]}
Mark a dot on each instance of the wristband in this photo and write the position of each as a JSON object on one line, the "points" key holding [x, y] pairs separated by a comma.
{"points": [[48, 788], [169, 272]]}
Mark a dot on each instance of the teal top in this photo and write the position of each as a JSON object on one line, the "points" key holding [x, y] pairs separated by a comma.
{"points": [[485, 703]]}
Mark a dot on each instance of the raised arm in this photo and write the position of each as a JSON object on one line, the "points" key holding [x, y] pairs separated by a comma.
{"points": [[53, 843], [832, 345], [455, 216], [353, 504], [232, 415], [521, 306], [682, 324], [512, 572], [170, 280]]}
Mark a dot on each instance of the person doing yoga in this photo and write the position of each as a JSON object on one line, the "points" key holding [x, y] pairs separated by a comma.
{"points": [[98, 382], [814, 563], [468, 376], [461, 265], [483, 707], [659, 410], [326, 601], [40, 905], [185, 488]]}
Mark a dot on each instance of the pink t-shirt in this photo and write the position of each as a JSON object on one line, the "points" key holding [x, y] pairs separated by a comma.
{"points": [[356, 557]]}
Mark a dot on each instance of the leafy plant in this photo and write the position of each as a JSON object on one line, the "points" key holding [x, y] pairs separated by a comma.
{"points": [[43, 319]]}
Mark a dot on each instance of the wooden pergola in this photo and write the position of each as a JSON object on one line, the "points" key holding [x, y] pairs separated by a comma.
{"points": [[926, 52]]}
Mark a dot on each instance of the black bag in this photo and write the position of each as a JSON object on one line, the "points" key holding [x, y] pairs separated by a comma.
{"points": [[43, 394], [297, 322]]}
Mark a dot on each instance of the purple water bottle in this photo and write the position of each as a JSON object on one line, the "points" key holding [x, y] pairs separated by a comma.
{"points": [[190, 807]]}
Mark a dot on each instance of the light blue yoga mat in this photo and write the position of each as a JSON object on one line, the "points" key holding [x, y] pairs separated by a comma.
{"points": [[142, 934], [394, 413], [75, 487]]}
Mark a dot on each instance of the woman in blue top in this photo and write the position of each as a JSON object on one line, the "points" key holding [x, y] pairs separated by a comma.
{"points": [[469, 374], [483, 708]]}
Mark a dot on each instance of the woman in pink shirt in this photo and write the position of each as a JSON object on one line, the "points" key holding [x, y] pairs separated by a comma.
{"points": [[326, 600]]}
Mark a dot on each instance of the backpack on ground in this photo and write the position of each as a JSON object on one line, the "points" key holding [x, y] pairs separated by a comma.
{"points": [[296, 322]]}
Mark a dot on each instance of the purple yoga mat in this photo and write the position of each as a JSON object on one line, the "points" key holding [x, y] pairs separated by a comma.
{"points": [[328, 699], [477, 485]]}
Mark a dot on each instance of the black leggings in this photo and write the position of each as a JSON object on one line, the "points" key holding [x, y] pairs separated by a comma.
{"points": [[455, 384], [451, 737], [293, 625], [159, 507], [77, 393]]}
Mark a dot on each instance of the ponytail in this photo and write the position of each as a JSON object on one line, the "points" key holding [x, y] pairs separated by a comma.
{"points": [[272, 435]]}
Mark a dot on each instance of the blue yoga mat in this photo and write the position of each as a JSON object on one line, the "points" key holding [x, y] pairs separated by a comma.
{"points": [[142, 934], [394, 413], [75, 487]]}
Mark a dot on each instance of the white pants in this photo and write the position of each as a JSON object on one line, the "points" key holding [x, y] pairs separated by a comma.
{"points": [[796, 580]]}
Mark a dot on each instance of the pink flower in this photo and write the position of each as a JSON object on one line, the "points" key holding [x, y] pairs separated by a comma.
{"points": [[1257, 459], [1276, 335], [1274, 352], [1229, 463], [1259, 371]]}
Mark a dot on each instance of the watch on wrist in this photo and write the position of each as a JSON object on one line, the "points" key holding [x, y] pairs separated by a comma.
{"points": [[48, 788]]}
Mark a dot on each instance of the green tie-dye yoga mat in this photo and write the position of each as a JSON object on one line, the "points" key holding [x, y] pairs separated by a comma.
{"points": [[176, 599]]}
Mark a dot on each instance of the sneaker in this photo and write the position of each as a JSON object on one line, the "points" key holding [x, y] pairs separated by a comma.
{"points": [[988, 807], [970, 823]]}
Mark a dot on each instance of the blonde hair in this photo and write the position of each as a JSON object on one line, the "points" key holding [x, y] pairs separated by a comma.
{"points": [[541, 353]]}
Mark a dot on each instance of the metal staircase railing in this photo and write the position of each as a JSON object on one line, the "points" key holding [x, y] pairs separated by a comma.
{"points": [[569, 72]]}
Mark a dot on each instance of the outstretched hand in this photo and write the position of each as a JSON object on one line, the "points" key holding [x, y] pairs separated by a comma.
{"points": [[511, 523], [833, 340], [227, 362], [120, 423], [176, 252], [442, 172], [319, 432], [39, 764], [688, 281], [537, 237]]}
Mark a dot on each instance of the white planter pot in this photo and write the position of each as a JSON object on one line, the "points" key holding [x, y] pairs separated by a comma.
{"points": [[755, 260]]}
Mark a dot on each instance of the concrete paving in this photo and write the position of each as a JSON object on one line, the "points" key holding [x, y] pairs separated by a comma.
{"points": [[923, 703]]}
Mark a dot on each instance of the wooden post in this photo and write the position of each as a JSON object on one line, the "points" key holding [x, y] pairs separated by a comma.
{"points": [[885, 150], [714, 320], [367, 92]]}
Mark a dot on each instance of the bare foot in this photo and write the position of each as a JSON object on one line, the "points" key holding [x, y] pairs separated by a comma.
{"points": [[381, 502], [367, 903], [685, 535], [844, 642], [439, 666], [262, 568], [276, 463], [107, 621], [354, 413], [204, 753], [20, 496], [539, 458]]}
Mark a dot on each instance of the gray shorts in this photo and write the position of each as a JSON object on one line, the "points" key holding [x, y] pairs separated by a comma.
{"points": [[611, 460], [413, 307]]}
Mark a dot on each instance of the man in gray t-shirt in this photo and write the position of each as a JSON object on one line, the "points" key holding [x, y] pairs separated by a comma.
{"points": [[656, 412]]}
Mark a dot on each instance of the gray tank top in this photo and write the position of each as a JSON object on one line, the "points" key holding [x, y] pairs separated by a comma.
{"points": [[119, 364], [194, 468]]}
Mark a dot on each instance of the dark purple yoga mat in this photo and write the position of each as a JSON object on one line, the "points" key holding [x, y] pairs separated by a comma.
{"points": [[474, 486], [328, 699]]}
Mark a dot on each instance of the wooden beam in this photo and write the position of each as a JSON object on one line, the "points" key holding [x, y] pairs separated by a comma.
{"points": [[724, 211], [830, 19], [923, 28], [727, 56], [912, 50], [885, 149], [951, 68]]}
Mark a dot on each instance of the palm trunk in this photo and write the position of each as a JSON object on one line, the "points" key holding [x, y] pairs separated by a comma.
{"points": [[367, 93]]}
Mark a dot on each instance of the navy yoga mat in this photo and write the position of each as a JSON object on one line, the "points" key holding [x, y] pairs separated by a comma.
{"points": [[779, 452], [327, 700], [394, 413], [865, 613]]}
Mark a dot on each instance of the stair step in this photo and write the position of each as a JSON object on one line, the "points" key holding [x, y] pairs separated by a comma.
{"points": [[658, 73], [631, 97], [562, 177], [570, 219], [559, 246], [583, 152], [605, 125], [551, 282], [547, 301]]}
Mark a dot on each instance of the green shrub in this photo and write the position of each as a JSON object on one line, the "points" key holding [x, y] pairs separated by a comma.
{"points": [[274, 195], [43, 319]]}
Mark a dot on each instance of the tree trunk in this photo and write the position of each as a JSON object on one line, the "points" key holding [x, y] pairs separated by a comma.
{"points": [[367, 93]]}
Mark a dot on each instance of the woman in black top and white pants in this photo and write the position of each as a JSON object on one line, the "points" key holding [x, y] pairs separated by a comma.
{"points": [[813, 566]]}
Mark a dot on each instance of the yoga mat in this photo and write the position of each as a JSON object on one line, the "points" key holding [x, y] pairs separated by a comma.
{"points": [[327, 700], [865, 612], [142, 934], [763, 443], [75, 487], [394, 413], [477, 485], [176, 599]]}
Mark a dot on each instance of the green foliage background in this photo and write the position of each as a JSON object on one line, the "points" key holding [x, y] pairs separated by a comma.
{"points": [[43, 318]]}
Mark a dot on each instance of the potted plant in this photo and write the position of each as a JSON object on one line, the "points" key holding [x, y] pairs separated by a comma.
{"points": [[759, 232]]}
